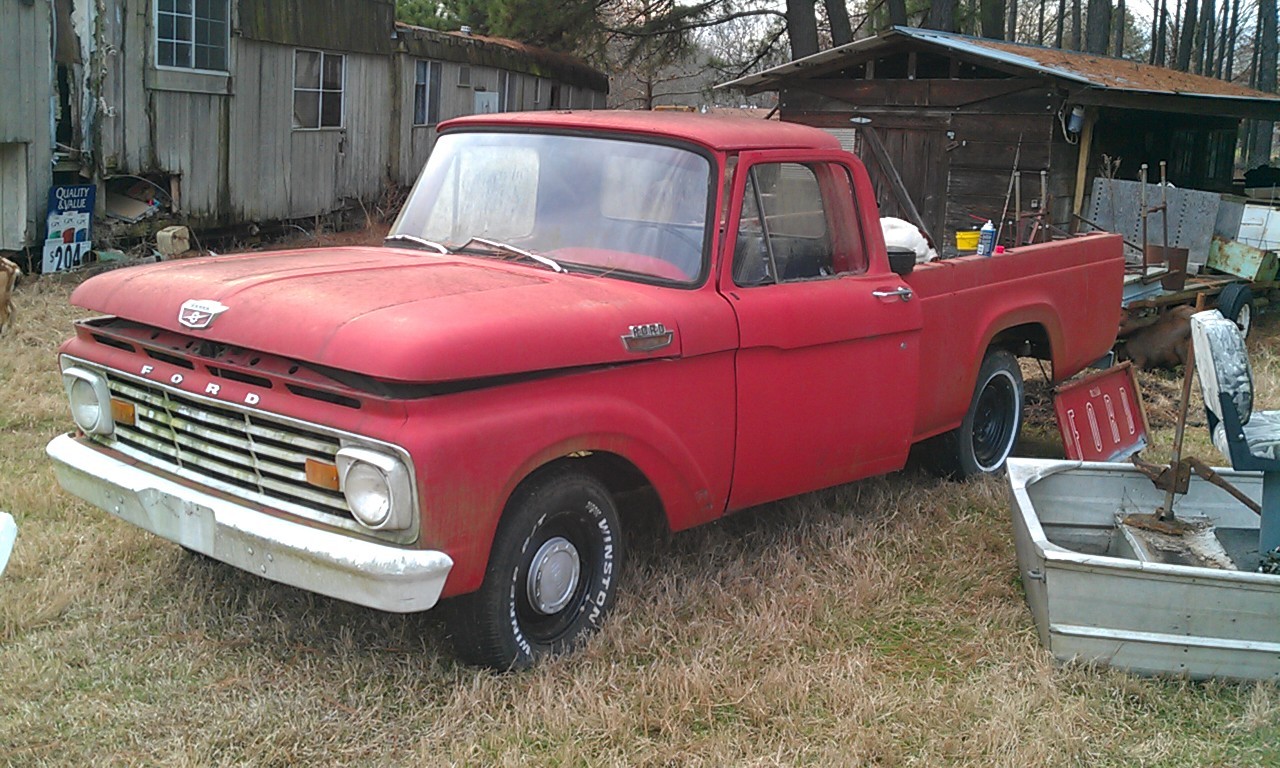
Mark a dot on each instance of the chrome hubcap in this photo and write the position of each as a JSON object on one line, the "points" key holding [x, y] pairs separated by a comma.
{"points": [[553, 575]]}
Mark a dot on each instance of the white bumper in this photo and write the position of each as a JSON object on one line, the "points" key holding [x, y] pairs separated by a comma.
{"points": [[362, 572]]}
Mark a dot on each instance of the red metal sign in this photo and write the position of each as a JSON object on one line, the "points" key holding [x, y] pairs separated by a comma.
{"points": [[1101, 416]]}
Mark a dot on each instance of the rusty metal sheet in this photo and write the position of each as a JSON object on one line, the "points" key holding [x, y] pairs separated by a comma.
{"points": [[1242, 260]]}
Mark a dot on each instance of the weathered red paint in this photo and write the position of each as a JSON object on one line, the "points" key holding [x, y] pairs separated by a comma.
{"points": [[763, 392]]}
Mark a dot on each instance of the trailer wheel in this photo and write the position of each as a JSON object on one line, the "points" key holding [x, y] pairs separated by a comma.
{"points": [[984, 440], [552, 575], [1236, 304]]}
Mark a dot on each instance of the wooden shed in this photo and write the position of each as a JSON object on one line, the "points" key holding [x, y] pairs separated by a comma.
{"points": [[958, 114], [235, 111]]}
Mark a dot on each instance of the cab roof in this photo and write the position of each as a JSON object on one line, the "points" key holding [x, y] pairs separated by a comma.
{"points": [[725, 134]]}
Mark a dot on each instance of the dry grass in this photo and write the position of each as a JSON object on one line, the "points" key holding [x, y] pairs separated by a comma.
{"points": [[879, 623]]}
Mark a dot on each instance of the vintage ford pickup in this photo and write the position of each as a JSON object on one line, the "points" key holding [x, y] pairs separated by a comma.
{"points": [[570, 306]]}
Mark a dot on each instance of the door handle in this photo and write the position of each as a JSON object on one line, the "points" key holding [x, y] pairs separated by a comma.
{"points": [[902, 292]]}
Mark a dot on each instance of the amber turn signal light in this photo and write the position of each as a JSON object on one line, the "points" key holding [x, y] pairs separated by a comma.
{"points": [[123, 412], [322, 475]]}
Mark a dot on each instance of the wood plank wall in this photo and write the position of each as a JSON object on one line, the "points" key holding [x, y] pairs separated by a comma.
{"points": [[25, 131], [231, 139], [953, 142]]}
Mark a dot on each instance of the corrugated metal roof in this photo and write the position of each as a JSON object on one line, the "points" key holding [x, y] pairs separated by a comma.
{"points": [[1099, 72]]}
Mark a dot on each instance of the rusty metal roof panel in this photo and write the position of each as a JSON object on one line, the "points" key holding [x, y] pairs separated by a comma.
{"points": [[1099, 72]]}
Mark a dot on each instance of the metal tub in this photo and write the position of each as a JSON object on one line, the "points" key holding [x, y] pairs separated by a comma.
{"points": [[1093, 600]]}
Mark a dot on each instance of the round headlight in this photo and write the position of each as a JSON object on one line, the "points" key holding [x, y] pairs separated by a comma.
{"points": [[377, 487], [368, 494], [90, 400], [85, 408]]}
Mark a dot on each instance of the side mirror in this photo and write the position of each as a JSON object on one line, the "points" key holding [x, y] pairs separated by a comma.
{"points": [[902, 261]]}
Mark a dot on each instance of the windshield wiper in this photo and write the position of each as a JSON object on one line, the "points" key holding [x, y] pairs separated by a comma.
{"points": [[437, 247], [505, 248]]}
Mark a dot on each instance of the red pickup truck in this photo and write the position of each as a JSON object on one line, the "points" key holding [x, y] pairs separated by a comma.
{"points": [[570, 306]]}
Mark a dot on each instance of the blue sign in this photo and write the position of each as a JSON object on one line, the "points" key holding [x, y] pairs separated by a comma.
{"points": [[70, 223]]}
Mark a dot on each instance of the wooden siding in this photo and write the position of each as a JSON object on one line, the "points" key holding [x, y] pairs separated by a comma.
{"points": [[26, 77], [355, 26], [953, 142], [229, 138]]}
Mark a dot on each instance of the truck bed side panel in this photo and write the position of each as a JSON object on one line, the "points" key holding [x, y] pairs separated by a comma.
{"points": [[1071, 288]]}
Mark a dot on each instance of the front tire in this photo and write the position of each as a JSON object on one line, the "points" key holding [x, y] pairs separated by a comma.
{"points": [[984, 440], [552, 575]]}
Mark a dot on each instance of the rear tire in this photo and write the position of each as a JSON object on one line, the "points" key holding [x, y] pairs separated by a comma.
{"points": [[552, 575], [1236, 304], [984, 440]]}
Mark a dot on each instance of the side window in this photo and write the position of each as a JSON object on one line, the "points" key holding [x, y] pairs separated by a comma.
{"points": [[797, 223]]}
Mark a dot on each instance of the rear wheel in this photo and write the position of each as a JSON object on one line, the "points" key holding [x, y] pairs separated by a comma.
{"points": [[984, 440], [552, 575]]}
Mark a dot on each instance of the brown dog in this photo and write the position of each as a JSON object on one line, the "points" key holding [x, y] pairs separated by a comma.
{"points": [[1163, 344], [9, 274]]}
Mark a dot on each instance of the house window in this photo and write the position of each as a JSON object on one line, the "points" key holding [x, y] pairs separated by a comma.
{"points": [[317, 89], [426, 93], [192, 34], [537, 90], [464, 76]]}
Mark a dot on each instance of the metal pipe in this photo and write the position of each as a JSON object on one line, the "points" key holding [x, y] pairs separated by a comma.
{"points": [[1165, 513]]}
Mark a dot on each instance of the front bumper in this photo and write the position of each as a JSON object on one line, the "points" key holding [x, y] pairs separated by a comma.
{"points": [[362, 572]]}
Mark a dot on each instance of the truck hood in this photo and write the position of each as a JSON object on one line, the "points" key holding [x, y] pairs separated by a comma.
{"points": [[394, 314]]}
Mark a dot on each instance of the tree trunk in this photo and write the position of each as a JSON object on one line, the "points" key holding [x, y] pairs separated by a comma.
{"points": [[1077, 34], [897, 12], [1118, 31], [1260, 147], [1011, 31], [1062, 19], [1186, 37], [838, 16], [1203, 31], [991, 14], [1231, 40], [1040, 24], [1098, 26], [942, 16], [1154, 50], [802, 28], [1220, 53]]}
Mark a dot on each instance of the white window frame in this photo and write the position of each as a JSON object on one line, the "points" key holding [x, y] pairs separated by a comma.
{"points": [[507, 92], [537, 91], [464, 76], [342, 92], [427, 92], [190, 19]]}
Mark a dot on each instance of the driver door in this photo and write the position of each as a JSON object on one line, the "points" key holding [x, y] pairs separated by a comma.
{"points": [[828, 361]]}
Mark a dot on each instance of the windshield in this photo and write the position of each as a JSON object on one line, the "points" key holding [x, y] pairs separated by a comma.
{"points": [[622, 207]]}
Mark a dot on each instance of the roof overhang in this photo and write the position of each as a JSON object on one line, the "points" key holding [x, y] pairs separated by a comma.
{"points": [[1239, 103]]}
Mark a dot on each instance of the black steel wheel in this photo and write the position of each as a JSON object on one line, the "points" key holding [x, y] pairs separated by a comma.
{"points": [[984, 440], [552, 575], [1236, 304]]}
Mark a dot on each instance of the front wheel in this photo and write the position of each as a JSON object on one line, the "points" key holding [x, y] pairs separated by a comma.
{"points": [[984, 440], [552, 575]]}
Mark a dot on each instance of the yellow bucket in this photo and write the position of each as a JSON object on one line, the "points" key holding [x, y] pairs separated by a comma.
{"points": [[967, 240]]}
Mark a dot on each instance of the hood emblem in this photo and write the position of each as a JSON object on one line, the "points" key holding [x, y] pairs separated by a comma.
{"points": [[200, 313], [647, 337]]}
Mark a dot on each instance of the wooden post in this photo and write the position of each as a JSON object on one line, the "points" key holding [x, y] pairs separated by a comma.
{"points": [[1082, 159]]}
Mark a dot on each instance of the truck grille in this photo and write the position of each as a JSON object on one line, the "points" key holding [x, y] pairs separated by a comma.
{"points": [[246, 453]]}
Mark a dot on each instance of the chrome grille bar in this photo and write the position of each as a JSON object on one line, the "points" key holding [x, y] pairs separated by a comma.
{"points": [[247, 453]]}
